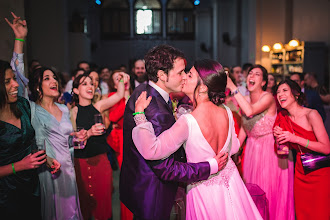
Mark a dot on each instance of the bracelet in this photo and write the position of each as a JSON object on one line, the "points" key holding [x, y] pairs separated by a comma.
{"points": [[136, 113], [307, 144], [235, 92], [19, 39], [12, 166], [140, 119], [121, 80]]}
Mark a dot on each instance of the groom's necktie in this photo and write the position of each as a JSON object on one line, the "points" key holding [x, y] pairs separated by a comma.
{"points": [[169, 103]]}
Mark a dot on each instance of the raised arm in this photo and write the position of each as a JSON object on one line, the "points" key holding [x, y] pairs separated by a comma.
{"points": [[20, 31], [250, 109], [105, 104]]}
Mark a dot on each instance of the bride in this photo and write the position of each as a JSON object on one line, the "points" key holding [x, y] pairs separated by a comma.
{"points": [[209, 129]]}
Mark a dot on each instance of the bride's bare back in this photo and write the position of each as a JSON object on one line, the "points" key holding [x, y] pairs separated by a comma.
{"points": [[214, 124]]}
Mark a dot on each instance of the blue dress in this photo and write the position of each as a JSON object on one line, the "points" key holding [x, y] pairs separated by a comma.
{"points": [[59, 194], [19, 196]]}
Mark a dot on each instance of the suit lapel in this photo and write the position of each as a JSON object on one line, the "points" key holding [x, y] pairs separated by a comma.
{"points": [[154, 93]]}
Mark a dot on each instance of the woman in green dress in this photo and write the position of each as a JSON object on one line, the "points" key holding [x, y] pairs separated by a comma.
{"points": [[19, 196]]}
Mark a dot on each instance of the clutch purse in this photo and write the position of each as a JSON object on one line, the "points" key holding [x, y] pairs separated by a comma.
{"points": [[314, 161]]}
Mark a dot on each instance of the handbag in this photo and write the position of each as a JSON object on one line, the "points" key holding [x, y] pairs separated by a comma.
{"points": [[312, 161]]}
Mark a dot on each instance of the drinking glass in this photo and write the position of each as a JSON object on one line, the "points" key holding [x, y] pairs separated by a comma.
{"points": [[98, 119], [282, 150], [40, 147], [77, 142]]}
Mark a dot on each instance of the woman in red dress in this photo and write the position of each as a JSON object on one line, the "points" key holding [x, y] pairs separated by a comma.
{"points": [[115, 138], [303, 129]]}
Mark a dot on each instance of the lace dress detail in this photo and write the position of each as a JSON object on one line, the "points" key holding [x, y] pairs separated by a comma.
{"points": [[220, 178], [258, 125]]}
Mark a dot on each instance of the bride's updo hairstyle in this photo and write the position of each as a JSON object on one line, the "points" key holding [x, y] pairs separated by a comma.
{"points": [[214, 77]]}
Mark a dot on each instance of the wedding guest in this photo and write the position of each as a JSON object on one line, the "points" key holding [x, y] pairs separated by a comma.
{"points": [[262, 166], [59, 195], [302, 128], [313, 99], [74, 74], [115, 138], [19, 189], [19, 197], [139, 74], [93, 170], [311, 82], [104, 80], [271, 87], [84, 65]]}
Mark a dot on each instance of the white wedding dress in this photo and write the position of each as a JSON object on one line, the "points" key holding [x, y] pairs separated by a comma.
{"points": [[223, 195]]}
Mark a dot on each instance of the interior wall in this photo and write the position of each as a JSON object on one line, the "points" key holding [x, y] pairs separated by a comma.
{"points": [[7, 36], [115, 53], [270, 27]]}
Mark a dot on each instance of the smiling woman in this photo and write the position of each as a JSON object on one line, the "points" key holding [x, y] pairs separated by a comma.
{"points": [[302, 129], [262, 166], [18, 176]]}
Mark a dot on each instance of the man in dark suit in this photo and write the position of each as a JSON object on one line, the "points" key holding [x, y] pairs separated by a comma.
{"points": [[139, 75], [148, 188], [313, 99]]}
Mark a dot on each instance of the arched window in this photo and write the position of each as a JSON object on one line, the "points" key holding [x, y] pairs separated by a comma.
{"points": [[147, 17], [180, 19], [115, 19]]}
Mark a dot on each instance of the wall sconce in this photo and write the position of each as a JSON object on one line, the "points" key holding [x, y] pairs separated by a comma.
{"points": [[294, 43], [277, 46], [265, 48]]}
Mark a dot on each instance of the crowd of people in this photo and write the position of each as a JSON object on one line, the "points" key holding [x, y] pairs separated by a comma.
{"points": [[247, 132]]}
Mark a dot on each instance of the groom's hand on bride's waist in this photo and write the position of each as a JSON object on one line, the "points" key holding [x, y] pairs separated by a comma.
{"points": [[222, 159]]}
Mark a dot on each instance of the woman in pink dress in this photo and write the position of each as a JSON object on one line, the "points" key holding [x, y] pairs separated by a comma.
{"points": [[262, 166]]}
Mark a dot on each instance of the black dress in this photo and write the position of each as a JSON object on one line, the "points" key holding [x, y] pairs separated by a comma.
{"points": [[19, 194]]}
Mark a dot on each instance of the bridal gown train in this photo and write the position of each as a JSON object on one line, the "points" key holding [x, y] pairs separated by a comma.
{"points": [[223, 195]]}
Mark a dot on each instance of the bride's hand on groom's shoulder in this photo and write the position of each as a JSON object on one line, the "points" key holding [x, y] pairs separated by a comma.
{"points": [[222, 159], [142, 102]]}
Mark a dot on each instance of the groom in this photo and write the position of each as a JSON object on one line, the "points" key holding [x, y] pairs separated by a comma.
{"points": [[148, 188]]}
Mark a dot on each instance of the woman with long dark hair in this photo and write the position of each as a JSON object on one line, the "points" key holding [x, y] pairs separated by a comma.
{"points": [[19, 189], [262, 166], [58, 189], [302, 129], [223, 195], [93, 170]]}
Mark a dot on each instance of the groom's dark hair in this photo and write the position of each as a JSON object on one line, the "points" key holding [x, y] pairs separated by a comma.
{"points": [[161, 58]]}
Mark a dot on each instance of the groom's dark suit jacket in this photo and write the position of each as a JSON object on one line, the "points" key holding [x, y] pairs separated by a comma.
{"points": [[148, 188]]}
